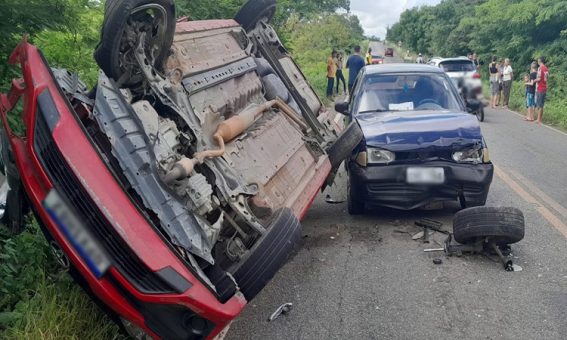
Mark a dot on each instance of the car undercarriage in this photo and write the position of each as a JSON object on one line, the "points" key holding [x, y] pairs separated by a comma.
{"points": [[202, 143]]}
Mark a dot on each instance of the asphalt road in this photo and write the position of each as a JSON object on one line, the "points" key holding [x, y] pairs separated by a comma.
{"points": [[365, 278], [379, 48]]}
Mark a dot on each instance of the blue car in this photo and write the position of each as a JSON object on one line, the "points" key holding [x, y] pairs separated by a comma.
{"points": [[421, 145]]}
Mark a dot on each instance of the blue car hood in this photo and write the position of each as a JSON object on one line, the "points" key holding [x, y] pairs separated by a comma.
{"points": [[416, 130]]}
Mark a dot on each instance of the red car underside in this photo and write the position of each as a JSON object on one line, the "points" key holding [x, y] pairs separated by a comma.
{"points": [[114, 288]]}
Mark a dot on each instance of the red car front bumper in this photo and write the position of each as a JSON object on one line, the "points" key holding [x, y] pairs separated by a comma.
{"points": [[146, 281]]}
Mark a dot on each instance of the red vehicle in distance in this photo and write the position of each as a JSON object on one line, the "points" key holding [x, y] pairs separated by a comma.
{"points": [[377, 59]]}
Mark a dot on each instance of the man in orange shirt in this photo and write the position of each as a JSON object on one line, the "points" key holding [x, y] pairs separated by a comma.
{"points": [[331, 74]]}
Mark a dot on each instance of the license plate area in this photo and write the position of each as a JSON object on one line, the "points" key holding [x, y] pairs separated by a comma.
{"points": [[424, 175], [77, 234]]}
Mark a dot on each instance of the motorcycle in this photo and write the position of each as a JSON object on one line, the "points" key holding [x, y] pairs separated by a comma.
{"points": [[473, 104]]}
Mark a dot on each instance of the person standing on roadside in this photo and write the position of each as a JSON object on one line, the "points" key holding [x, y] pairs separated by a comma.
{"points": [[541, 90], [507, 78], [530, 82], [419, 59], [501, 87], [340, 75], [494, 71], [475, 60], [331, 74], [369, 57], [355, 63]]}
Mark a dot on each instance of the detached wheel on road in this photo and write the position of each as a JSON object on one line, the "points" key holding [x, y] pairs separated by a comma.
{"points": [[355, 207], [502, 226], [342, 148], [254, 11], [124, 21], [269, 254]]}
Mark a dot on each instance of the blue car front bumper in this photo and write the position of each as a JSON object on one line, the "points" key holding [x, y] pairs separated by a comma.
{"points": [[387, 185]]}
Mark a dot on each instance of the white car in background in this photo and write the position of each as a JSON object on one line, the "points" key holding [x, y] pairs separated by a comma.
{"points": [[461, 68]]}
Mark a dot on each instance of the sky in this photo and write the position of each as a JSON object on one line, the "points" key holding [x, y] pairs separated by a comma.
{"points": [[376, 15]]}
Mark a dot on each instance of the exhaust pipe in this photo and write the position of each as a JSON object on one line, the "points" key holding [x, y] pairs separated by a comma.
{"points": [[226, 132]]}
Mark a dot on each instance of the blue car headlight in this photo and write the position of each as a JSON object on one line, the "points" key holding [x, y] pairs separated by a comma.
{"points": [[379, 156], [475, 156]]}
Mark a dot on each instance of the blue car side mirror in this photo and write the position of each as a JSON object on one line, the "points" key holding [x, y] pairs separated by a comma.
{"points": [[342, 107]]}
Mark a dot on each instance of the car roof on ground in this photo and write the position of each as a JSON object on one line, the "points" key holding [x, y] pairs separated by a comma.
{"points": [[401, 68]]}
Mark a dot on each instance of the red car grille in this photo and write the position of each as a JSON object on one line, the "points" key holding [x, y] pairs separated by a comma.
{"points": [[67, 185]]}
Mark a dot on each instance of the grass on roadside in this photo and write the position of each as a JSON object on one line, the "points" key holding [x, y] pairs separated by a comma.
{"points": [[40, 301]]}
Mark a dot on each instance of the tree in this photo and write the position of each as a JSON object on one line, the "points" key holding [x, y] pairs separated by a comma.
{"points": [[67, 31]]}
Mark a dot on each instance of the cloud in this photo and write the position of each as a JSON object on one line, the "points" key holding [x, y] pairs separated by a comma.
{"points": [[375, 16]]}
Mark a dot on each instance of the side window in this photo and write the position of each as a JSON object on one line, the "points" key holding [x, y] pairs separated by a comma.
{"points": [[354, 94]]}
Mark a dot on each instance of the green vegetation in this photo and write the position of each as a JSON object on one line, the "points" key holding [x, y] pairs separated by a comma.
{"points": [[38, 300], [312, 41], [521, 30]]}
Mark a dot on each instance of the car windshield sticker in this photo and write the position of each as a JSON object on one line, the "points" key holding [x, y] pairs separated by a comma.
{"points": [[401, 107]]}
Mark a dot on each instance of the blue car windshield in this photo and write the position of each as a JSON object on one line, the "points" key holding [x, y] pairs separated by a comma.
{"points": [[407, 92]]}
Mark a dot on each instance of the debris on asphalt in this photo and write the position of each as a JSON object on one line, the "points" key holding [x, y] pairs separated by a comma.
{"points": [[418, 236], [482, 246], [426, 223], [437, 261], [421, 235], [331, 200], [403, 232], [282, 310]]}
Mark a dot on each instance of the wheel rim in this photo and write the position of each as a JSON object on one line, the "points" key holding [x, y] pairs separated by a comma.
{"points": [[150, 19]]}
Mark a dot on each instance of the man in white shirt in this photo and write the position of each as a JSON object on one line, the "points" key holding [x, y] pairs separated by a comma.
{"points": [[420, 60], [507, 78]]}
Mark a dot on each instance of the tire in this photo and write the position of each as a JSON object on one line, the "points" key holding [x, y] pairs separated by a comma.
{"points": [[343, 146], [9, 168], [117, 13], [263, 67], [480, 113], [16, 205], [16, 210], [275, 88], [253, 11], [354, 206], [269, 254], [502, 226], [224, 285], [293, 104]]}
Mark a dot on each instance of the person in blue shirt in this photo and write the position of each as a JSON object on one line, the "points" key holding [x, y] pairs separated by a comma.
{"points": [[355, 63]]}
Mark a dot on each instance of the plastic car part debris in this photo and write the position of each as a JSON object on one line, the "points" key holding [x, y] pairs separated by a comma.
{"points": [[428, 227], [331, 200], [283, 309], [437, 261], [431, 225], [418, 236]]}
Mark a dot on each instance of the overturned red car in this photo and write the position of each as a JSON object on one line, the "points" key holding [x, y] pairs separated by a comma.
{"points": [[173, 189]]}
